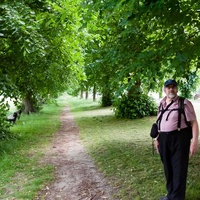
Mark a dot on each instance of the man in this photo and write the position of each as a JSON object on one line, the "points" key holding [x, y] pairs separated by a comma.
{"points": [[173, 144]]}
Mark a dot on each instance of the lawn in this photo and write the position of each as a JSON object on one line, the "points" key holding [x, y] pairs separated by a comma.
{"points": [[22, 174], [122, 150]]}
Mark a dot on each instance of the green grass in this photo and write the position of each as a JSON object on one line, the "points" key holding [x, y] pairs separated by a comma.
{"points": [[22, 174], [122, 151]]}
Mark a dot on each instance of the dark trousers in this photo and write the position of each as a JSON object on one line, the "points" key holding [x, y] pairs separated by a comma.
{"points": [[174, 152]]}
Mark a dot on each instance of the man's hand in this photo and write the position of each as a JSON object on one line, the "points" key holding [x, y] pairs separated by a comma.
{"points": [[193, 147], [195, 137], [156, 144]]}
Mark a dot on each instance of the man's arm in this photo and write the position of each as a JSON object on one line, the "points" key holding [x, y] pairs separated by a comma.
{"points": [[195, 137]]}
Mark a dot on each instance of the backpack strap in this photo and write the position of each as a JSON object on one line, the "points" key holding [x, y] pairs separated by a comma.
{"points": [[158, 121], [181, 110], [170, 113]]}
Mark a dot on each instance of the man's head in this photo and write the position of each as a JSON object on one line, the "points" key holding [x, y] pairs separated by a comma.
{"points": [[170, 82], [170, 88]]}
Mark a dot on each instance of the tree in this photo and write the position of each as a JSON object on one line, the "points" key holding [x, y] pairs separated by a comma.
{"points": [[147, 42], [40, 48], [39, 51]]}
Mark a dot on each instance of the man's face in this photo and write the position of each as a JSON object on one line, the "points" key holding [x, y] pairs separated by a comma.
{"points": [[171, 91]]}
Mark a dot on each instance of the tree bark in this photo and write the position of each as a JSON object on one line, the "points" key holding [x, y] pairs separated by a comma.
{"points": [[135, 89], [86, 94], [28, 104], [94, 92], [81, 96]]}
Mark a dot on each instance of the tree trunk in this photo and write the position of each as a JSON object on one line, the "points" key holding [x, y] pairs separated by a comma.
{"points": [[81, 94], [94, 92], [28, 104], [86, 94], [135, 89], [106, 97]]}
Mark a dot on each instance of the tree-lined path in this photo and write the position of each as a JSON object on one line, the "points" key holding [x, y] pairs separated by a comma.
{"points": [[76, 177], [122, 50]]}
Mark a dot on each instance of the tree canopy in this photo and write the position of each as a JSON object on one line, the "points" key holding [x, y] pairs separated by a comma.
{"points": [[148, 41], [120, 48], [39, 48]]}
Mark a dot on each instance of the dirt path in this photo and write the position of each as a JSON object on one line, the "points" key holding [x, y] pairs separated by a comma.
{"points": [[76, 177]]}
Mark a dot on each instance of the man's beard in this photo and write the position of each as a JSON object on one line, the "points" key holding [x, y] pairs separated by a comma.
{"points": [[171, 95]]}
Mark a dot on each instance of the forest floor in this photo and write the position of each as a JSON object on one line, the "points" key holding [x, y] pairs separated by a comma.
{"points": [[76, 176]]}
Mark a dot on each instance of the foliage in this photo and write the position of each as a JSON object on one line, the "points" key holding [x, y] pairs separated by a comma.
{"points": [[185, 85], [107, 96], [47, 47], [4, 124], [39, 50], [106, 100], [132, 106], [149, 41], [7, 89]]}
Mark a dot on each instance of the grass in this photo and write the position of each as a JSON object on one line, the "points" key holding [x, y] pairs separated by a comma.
{"points": [[122, 151], [22, 174]]}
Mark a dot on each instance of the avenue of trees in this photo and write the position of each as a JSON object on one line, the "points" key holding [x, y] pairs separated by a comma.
{"points": [[122, 49], [39, 51]]}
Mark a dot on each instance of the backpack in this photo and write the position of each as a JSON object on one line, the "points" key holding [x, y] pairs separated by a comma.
{"points": [[180, 109], [155, 127]]}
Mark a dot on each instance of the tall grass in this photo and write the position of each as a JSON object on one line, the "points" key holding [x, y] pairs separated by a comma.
{"points": [[122, 151]]}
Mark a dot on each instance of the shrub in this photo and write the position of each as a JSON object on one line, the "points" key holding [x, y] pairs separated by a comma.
{"points": [[106, 100], [4, 124], [135, 106]]}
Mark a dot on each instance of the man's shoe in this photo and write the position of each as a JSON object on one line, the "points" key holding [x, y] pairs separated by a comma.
{"points": [[163, 198]]}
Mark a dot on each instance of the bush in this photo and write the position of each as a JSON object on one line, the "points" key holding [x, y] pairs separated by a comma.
{"points": [[133, 107], [4, 124], [106, 100]]}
